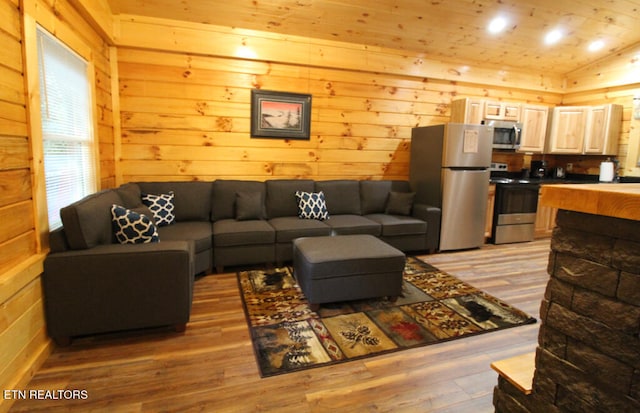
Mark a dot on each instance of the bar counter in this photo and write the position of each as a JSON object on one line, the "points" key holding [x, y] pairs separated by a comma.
{"points": [[612, 200], [588, 354]]}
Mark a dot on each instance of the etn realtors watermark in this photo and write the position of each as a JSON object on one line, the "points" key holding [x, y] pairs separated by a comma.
{"points": [[35, 394]]}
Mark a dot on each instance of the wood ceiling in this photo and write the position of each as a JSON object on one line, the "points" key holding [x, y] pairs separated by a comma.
{"points": [[446, 30]]}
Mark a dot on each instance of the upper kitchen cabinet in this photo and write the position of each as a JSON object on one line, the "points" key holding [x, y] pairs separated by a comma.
{"points": [[502, 111], [467, 110], [568, 127], [470, 110], [585, 130], [534, 128], [603, 130]]}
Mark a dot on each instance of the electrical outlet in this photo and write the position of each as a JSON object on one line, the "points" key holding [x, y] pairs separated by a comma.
{"points": [[569, 167]]}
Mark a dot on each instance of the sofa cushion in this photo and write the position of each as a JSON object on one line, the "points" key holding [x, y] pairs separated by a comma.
{"points": [[130, 194], [161, 206], [311, 205], [224, 196], [374, 194], [192, 199], [131, 227], [342, 196], [87, 222], [353, 224], [249, 205], [394, 225], [281, 196], [230, 232], [198, 232], [399, 203], [290, 228]]}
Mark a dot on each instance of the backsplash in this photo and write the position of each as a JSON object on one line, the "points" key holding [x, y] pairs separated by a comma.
{"points": [[581, 164]]}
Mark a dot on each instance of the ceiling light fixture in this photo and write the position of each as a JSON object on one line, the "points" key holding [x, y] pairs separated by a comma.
{"points": [[553, 36], [245, 52], [596, 45], [497, 25]]}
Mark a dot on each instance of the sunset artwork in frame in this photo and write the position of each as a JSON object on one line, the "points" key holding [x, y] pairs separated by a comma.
{"points": [[280, 115]]}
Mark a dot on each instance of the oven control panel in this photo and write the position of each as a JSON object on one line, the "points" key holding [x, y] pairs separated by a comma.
{"points": [[497, 166]]}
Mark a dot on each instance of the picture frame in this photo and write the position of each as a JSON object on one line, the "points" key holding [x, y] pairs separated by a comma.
{"points": [[280, 115]]}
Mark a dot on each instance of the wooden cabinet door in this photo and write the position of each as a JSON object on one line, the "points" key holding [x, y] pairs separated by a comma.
{"points": [[511, 111], [534, 128], [474, 111], [545, 220], [596, 129], [568, 129], [467, 111], [493, 110], [502, 111], [603, 130]]}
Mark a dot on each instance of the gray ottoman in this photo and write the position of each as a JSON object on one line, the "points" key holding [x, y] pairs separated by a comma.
{"points": [[346, 267]]}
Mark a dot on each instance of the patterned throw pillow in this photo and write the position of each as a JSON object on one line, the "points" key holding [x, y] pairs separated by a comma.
{"points": [[161, 206], [312, 205], [131, 227]]}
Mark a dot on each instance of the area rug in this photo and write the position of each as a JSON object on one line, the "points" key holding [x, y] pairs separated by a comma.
{"points": [[434, 307]]}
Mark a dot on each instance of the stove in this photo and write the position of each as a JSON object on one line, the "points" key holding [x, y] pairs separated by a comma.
{"points": [[514, 212]]}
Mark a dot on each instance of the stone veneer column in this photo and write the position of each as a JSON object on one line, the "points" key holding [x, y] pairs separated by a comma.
{"points": [[588, 355]]}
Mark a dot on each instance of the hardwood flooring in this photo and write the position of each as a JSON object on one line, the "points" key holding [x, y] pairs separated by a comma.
{"points": [[211, 367]]}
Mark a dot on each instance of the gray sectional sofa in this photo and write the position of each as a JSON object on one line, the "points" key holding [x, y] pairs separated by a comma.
{"points": [[94, 284]]}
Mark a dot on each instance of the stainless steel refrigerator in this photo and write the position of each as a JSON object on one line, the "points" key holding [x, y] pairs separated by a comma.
{"points": [[449, 169]]}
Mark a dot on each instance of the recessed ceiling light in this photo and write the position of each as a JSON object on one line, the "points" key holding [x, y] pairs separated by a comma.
{"points": [[596, 45], [497, 25], [553, 36], [245, 52]]}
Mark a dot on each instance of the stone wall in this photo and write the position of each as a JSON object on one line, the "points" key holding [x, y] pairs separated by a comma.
{"points": [[588, 355]]}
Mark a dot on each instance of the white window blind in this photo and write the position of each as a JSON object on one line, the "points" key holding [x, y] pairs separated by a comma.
{"points": [[67, 131]]}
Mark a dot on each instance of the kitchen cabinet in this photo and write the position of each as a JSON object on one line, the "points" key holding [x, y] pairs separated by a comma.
{"points": [[490, 204], [568, 128], [545, 219], [534, 128], [590, 130], [502, 110], [603, 130], [467, 110]]}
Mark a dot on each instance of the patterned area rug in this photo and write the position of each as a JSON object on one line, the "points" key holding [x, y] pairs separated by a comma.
{"points": [[434, 307]]}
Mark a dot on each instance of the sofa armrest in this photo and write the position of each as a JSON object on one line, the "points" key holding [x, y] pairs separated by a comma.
{"points": [[431, 215], [117, 287]]}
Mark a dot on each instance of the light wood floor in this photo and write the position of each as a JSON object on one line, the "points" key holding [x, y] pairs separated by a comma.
{"points": [[211, 367]]}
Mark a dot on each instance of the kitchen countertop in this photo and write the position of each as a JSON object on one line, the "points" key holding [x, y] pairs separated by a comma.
{"points": [[614, 200], [517, 177]]}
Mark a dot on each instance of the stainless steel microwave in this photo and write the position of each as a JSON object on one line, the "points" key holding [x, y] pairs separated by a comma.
{"points": [[506, 134]]}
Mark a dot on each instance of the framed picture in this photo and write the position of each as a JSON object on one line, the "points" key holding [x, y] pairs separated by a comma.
{"points": [[280, 115]]}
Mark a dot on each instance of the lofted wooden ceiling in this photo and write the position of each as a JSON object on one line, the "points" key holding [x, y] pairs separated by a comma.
{"points": [[447, 30]]}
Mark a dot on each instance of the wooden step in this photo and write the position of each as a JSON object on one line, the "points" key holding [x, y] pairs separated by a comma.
{"points": [[518, 370]]}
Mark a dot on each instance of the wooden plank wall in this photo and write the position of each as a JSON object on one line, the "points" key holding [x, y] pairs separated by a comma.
{"points": [[22, 332], [187, 116], [24, 343], [17, 236]]}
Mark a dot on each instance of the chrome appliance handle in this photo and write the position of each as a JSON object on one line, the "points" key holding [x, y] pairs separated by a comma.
{"points": [[516, 132]]}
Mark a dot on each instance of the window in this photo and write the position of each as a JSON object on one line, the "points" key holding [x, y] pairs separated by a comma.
{"points": [[67, 132]]}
